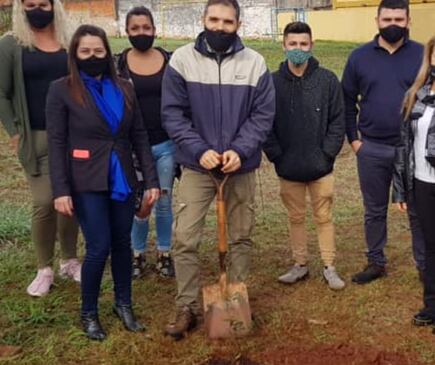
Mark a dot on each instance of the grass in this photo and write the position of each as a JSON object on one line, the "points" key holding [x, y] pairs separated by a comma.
{"points": [[309, 316]]}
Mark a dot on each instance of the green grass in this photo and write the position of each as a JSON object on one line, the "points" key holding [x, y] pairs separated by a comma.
{"points": [[331, 55], [374, 317]]}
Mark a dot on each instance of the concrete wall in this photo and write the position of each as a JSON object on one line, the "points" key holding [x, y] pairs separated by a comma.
{"points": [[183, 19], [98, 12], [358, 24]]}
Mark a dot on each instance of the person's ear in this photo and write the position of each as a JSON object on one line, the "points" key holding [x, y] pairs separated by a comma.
{"points": [[239, 25]]}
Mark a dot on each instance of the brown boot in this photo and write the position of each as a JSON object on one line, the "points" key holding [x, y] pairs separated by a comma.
{"points": [[185, 321]]}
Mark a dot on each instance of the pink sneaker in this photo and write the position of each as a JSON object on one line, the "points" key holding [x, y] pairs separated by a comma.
{"points": [[70, 268], [40, 286]]}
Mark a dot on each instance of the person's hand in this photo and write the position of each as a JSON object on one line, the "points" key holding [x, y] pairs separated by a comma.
{"points": [[151, 195], [64, 205], [14, 142], [231, 161], [402, 207], [356, 145], [210, 159]]}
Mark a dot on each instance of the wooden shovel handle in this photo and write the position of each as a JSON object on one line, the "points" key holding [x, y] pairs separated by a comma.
{"points": [[221, 214], [222, 226]]}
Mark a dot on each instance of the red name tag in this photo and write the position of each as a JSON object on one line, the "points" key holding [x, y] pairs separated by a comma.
{"points": [[82, 154]]}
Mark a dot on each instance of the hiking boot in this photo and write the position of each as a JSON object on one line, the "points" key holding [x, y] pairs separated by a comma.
{"points": [[70, 268], [422, 319], [295, 274], [40, 286], [164, 265], [332, 278], [370, 273], [185, 321], [139, 263]]}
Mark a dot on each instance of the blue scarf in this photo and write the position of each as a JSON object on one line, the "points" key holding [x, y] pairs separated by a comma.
{"points": [[110, 102]]}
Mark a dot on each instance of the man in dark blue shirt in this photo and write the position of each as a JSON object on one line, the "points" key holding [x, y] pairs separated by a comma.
{"points": [[375, 80]]}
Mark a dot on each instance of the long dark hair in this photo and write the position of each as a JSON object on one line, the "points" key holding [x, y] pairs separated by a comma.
{"points": [[75, 82]]}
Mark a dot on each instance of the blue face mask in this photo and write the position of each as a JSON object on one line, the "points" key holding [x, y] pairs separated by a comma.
{"points": [[297, 56]]}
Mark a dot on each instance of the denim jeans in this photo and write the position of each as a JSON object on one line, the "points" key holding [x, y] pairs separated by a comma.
{"points": [[163, 154], [106, 226]]}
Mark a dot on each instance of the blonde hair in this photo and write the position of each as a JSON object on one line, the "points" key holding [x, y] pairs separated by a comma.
{"points": [[422, 77], [23, 33]]}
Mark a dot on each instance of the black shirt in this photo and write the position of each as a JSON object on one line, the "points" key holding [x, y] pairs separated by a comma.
{"points": [[40, 69], [148, 90]]}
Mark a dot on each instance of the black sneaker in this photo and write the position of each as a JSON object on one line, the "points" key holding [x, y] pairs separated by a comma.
{"points": [[370, 273], [164, 265], [422, 319], [139, 264]]}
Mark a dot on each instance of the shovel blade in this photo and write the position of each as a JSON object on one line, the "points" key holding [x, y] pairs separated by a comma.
{"points": [[227, 314]]}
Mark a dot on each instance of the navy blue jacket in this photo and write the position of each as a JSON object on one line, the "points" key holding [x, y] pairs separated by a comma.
{"points": [[223, 104], [374, 85]]}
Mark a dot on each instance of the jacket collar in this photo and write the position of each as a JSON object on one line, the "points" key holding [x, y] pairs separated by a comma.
{"points": [[203, 47]]}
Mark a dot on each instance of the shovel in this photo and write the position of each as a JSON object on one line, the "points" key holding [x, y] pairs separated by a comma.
{"points": [[226, 305]]}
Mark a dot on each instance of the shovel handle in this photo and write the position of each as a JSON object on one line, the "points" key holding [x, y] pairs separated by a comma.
{"points": [[221, 214]]}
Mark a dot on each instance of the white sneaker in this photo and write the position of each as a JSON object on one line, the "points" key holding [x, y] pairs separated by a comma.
{"points": [[70, 268], [295, 274], [40, 286], [332, 278]]}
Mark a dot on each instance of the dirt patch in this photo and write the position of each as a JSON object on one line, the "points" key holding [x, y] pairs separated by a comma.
{"points": [[343, 354], [240, 361], [336, 355]]}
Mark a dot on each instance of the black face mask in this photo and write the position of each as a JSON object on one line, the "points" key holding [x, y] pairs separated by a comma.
{"points": [[141, 42], [393, 33], [220, 41], [94, 66], [39, 18]]}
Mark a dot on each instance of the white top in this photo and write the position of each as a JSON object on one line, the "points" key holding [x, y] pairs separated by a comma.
{"points": [[423, 169]]}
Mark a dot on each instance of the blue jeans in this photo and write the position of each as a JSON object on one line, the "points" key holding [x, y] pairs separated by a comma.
{"points": [[163, 154], [106, 226]]}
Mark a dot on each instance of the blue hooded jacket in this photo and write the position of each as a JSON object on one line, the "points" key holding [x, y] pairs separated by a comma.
{"points": [[218, 102]]}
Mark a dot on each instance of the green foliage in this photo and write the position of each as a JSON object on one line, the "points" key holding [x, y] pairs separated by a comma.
{"points": [[14, 222], [5, 19]]}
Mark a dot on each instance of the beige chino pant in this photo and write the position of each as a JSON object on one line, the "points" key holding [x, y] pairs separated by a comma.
{"points": [[293, 195]]}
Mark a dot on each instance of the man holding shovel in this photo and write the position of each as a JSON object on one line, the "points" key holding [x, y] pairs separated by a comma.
{"points": [[218, 104]]}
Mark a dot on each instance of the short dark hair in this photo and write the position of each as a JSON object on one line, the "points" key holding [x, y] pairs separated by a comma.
{"points": [[394, 4], [232, 3], [298, 28], [139, 10]]}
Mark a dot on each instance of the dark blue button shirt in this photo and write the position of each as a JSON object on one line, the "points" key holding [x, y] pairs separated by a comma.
{"points": [[374, 85]]}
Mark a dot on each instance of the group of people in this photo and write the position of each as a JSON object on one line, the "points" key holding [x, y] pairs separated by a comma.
{"points": [[99, 137]]}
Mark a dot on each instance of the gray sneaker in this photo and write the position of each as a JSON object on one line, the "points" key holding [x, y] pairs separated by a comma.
{"points": [[332, 278], [295, 274]]}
